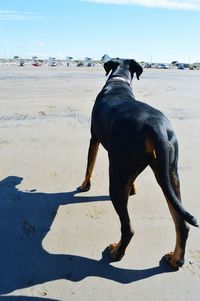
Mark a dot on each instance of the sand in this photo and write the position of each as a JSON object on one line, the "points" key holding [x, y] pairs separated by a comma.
{"points": [[53, 239]]}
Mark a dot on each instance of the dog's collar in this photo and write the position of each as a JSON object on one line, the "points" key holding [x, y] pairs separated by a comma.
{"points": [[119, 78]]}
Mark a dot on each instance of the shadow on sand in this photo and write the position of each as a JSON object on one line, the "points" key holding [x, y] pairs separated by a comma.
{"points": [[25, 219]]}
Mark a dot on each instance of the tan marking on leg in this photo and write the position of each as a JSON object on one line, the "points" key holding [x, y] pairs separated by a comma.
{"points": [[92, 154], [175, 258], [149, 146], [114, 251], [133, 189]]}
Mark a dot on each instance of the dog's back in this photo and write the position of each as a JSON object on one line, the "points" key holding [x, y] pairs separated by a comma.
{"points": [[118, 116]]}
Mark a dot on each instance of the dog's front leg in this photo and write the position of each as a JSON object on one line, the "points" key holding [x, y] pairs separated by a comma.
{"points": [[92, 154]]}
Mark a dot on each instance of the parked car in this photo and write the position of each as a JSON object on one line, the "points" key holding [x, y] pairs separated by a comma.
{"points": [[163, 66], [80, 64]]}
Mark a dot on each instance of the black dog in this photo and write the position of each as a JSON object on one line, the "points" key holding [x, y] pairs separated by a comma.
{"points": [[135, 135]]}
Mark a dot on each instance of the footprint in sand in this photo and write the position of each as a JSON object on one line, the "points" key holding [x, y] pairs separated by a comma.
{"points": [[194, 262]]}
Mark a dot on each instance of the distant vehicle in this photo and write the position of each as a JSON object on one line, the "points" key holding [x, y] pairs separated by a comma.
{"points": [[88, 62], [181, 67], [163, 66], [146, 65], [69, 61], [52, 62], [21, 62], [80, 64], [36, 62]]}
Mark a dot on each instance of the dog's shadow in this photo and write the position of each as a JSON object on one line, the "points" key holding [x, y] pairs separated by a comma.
{"points": [[25, 219]]}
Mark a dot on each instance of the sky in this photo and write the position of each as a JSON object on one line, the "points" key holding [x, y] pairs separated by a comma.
{"points": [[145, 30]]}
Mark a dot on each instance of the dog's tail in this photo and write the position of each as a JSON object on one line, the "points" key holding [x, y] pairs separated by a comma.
{"points": [[162, 150]]}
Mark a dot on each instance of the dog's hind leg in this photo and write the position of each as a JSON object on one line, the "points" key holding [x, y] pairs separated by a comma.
{"points": [[92, 154], [119, 193], [175, 258]]}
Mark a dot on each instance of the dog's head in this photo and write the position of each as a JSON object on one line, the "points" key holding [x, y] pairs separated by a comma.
{"points": [[123, 64]]}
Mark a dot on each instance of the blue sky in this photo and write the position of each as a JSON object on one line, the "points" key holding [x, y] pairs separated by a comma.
{"points": [[157, 30]]}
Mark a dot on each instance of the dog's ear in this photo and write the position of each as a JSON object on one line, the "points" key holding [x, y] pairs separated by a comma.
{"points": [[135, 68], [110, 65]]}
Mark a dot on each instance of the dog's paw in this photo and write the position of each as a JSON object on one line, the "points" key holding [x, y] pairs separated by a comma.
{"points": [[174, 262], [85, 186], [115, 252]]}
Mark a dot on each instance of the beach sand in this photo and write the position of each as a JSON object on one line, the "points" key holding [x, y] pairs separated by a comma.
{"points": [[54, 239]]}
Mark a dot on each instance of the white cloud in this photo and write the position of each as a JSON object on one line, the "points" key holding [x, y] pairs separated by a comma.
{"points": [[12, 15], [171, 4], [40, 43]]}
